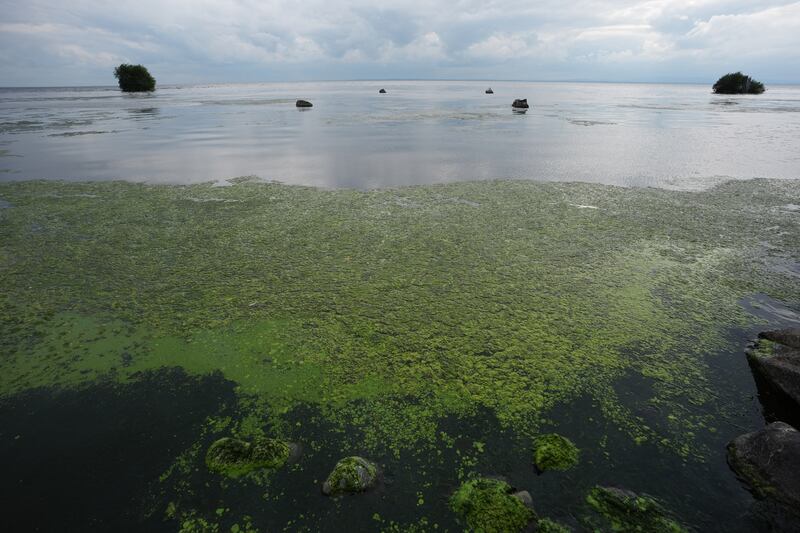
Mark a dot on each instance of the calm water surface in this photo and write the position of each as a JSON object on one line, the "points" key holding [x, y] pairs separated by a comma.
{"points": [[420, 132]]}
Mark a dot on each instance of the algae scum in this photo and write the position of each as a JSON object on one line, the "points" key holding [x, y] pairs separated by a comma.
{"points": [[436, 331]]}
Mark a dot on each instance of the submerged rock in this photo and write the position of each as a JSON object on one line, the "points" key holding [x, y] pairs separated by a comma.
{"points": [[554, 452], [234, 457], [627, 511], [350, 475], [489, 91], [775, 360], [382, 91], [768, 462], [303, 103], [491, 505], [545, 525], [520, 104]]}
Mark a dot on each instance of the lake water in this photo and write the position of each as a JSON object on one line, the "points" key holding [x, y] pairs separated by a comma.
{"points": [[677, 136]]}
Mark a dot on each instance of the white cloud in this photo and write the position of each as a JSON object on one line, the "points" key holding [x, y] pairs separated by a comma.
{"points": [[204, 39]]}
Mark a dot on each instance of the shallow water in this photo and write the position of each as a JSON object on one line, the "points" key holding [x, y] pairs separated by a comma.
{"points": [[673, 136]]}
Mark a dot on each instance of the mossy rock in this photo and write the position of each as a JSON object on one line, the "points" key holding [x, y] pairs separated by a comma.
{"points": [[545, 525], [350, 475], [234, 457], [554, 452], [626, 511], [489, 506]]}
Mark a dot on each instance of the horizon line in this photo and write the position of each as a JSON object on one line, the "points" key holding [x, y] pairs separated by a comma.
{"points": [[172, 84]]}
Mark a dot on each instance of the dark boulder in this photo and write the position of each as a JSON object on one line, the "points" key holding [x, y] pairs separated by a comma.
{"points": [[304, 103], [768, 462], [382, 91], [775, 361], [489, 91], [520, 104]]}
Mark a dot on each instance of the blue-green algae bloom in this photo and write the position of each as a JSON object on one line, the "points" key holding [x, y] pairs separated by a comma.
{"points": [[554, 452], [234, 457], [488, 505], [397, 309], [627, 512], [351, 475]]}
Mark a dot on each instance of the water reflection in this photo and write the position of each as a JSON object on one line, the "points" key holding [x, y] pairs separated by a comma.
{"points": [[419, 132]]}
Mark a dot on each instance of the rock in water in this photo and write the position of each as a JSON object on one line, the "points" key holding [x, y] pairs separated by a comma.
{"points": [[350, 475], [304, 103], [768, 462], [554, 452], [775, 360], [789, 337], [487, 504], [489, 91], [627, 511], [234, 457], [520, 104], [382, 91]]}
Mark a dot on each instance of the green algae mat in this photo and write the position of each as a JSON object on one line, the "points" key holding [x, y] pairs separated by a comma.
{"points": [[436, 330]]}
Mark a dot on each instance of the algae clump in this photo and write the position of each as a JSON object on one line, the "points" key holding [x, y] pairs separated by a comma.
{"points": [[350, 475], [545, 525], [234, 457], [489, 505], [554, 452], [628, 512]]}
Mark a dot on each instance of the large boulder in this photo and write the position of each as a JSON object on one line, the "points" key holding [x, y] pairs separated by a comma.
{"points": [[489, 91], [351, 475], [304, 103], [768, 462], [775, 361], [382, 91], [520, 104]]}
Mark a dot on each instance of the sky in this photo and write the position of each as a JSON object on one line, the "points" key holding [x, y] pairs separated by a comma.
{"points": [[79, 42]]}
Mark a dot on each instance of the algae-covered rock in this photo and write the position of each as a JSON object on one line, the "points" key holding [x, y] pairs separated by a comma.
{"points": [[351, 474], [626, 511], [554, 452], [545, 525], [768, 461], [235, 457], [775, 361], [490, 505]]}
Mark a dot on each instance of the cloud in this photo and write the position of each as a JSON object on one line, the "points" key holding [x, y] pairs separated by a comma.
{"points": [[54, 42]]}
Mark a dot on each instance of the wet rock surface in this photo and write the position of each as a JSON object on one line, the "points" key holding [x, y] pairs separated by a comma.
{"points": [[234, 457], [775, 361], [303, 103], [520, 104], [624, 510], [351, 475], [768, 462]]}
